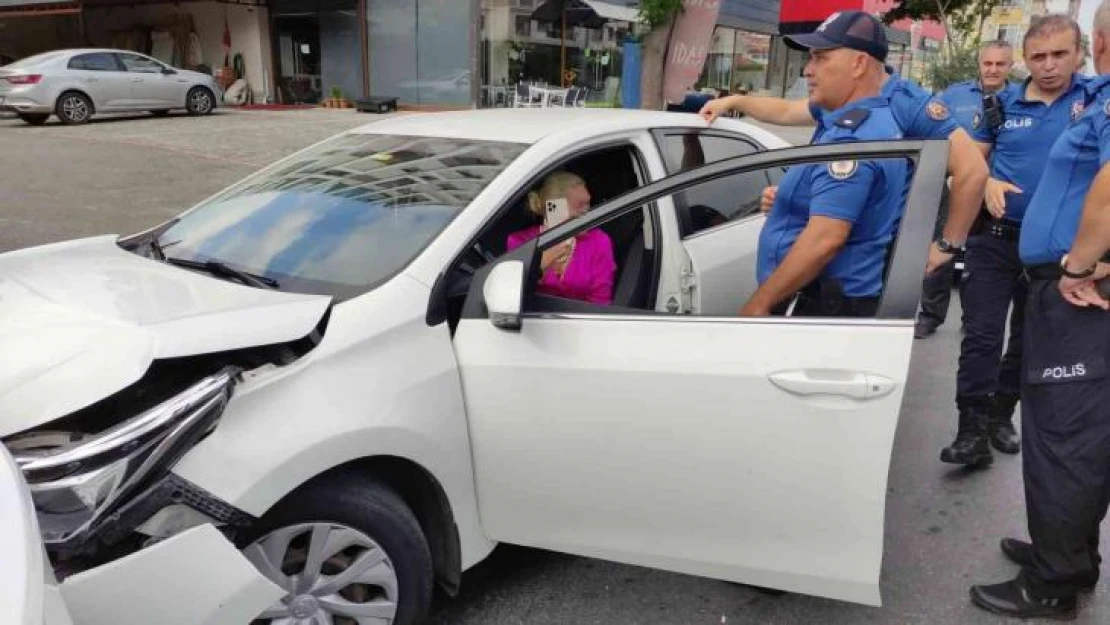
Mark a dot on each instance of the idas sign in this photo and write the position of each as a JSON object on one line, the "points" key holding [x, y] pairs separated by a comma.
{"points": [[693, 31]]}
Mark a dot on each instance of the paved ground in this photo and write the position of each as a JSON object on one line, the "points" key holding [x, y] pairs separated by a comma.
{"points": [[942, 524]]}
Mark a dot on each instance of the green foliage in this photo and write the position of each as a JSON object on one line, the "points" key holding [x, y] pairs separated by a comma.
{"points": [[927, 9], [963, 19], [953, 68], [336, 93], [655, 13]]}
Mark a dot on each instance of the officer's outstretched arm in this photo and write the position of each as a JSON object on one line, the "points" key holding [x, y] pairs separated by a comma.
{"points": [[768, 110], [1093, 240], [969, 172], [818, 244]]}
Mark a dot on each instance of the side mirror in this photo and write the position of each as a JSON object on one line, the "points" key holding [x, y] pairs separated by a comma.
{"points": [[168, 71], [503, 292]]}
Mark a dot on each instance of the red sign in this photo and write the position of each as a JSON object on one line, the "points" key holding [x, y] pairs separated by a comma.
{"points": [[815, 10], [693, 31]]}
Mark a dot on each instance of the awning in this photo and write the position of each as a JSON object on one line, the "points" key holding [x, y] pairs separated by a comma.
{"points": [[628, 12], [21, 8]]}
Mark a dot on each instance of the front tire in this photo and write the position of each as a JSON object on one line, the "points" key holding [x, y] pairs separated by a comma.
{"points": [[344, 548], [74, 108], [200, 101]]}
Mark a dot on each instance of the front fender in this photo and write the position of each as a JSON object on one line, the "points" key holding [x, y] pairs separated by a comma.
{"points": [[395, 394]]}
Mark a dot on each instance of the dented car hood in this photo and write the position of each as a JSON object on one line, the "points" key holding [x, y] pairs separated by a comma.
{"points": [[83, 319]]}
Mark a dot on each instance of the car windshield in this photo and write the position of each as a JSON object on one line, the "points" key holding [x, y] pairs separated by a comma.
{"points": [[342, 217]]}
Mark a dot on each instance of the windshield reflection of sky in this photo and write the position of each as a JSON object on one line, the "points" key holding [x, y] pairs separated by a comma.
{"points": [[309, 235]]}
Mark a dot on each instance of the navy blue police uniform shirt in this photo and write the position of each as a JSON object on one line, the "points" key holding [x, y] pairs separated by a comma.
{"points": [[918, 113], [1053, 215], [1030, 127], [867, 194], [965, 101]]}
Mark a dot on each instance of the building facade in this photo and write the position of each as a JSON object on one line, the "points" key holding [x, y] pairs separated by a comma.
{"points": [[434, 54]]}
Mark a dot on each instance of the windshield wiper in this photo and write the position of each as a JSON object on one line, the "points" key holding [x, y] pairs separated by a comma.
{"points": [[218, 268]]}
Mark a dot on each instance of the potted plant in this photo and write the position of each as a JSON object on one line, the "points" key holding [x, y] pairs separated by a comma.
{"points": [[334, 99]]}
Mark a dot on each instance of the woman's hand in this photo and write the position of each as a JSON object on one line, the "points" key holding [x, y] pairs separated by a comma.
{"points": [[557, 256]]}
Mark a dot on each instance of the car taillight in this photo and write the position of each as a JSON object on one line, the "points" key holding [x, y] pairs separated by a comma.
{"points": [[25, 79]]}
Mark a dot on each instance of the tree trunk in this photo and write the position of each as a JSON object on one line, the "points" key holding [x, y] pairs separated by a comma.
{"points": [[942, 11], [655, 47]]}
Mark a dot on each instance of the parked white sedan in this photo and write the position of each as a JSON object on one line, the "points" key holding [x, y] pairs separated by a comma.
{"points": [[74, 85], [337, 364]]}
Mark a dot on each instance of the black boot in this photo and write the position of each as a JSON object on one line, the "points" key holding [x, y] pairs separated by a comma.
{"points": [[1001, 427], [971, 446]]}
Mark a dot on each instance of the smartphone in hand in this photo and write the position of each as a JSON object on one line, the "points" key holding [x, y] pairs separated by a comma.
{"points": [[556, 211]]}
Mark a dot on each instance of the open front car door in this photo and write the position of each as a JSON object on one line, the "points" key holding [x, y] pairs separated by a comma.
{"points": [[747, 449]]}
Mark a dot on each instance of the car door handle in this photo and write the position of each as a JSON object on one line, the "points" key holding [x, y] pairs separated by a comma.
{"points": [[90, 80], [136, 80], [853, 384]]}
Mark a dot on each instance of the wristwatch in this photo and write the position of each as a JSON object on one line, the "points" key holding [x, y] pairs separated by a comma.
{"points": [[1086, 273], [946, 247]]}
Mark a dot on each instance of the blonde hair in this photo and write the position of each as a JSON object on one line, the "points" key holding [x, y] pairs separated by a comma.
{"points": [[554, 186]]}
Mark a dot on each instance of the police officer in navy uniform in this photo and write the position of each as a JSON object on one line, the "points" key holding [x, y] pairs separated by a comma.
{"points": [[965, 101], [919, 115], [1065, 403], [828, 232], [1035, 113]]}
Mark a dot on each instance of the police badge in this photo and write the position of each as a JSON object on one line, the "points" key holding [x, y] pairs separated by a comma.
{"points": [[976, 120], [1106, 109], [1076, 109], [936, 110], [842, 170]]}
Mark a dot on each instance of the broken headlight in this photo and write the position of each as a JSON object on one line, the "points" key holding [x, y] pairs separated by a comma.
{"points": [[76, 481]]}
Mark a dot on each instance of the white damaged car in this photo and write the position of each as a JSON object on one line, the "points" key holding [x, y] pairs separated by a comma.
{"points": [[330, 388]]}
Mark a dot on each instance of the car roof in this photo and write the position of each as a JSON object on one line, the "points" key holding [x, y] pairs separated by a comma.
{"points": [[76, 51], [525, 125]]}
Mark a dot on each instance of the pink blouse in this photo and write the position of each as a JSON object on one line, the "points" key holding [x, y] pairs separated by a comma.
{"points": [[589, 274]]}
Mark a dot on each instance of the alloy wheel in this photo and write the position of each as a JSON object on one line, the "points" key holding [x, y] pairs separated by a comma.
{"points": [[200, 102], [75, 108]]}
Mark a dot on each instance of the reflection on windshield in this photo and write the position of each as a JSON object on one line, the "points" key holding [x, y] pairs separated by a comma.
{"points": [[345, 217]]}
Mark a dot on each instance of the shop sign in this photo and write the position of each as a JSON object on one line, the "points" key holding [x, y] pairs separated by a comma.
{"points": [[1007, 16], [690, 41]]}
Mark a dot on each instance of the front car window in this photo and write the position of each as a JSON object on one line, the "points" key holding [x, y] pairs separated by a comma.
{"points": [[140, 64], [344, 216]]}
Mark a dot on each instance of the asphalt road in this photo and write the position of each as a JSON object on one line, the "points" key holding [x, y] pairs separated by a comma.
{"points": [[942, 524]]}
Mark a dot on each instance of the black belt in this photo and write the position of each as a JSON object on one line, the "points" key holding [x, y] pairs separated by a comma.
{"points": [[1000, 228], [1047, 271], [1052, 271]]}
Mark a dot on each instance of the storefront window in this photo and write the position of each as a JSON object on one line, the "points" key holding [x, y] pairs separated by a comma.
{"points": [[785, 77], [749, 70], [517, 50], [717, 71], [318, 49], [420, 51]]}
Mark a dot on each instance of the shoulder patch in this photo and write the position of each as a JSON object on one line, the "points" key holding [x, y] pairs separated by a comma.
{"points": [[842, 170], [936, 110], [1077, 109], [853, 118]]}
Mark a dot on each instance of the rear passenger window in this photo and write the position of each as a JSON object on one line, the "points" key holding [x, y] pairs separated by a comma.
{"points": [[96, 62], [714, 203]]}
